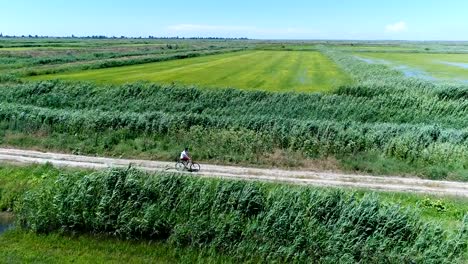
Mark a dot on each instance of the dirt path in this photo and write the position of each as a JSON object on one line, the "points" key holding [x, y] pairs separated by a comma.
{"points": [[385, 183]]}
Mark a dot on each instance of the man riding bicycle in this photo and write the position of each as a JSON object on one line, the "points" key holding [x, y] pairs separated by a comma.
{"points": [[185, 156], [186, 163]]}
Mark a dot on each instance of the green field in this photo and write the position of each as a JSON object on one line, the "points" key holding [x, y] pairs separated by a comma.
{"points": [[440, 66], [128, 215], [266, 70]]}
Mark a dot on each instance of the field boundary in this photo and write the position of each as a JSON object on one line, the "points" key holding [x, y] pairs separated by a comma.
{"points": [[302, 177]]}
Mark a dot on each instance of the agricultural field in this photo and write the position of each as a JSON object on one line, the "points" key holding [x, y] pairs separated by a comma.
{"points": [[267, 70], [52, 56], [448, 67]]}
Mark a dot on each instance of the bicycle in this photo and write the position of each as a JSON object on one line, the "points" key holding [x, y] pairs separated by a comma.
{"points": [[187, 165]]}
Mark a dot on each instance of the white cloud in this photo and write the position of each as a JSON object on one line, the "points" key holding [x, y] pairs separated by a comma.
{"points": [[396, 27], [198, 28]]}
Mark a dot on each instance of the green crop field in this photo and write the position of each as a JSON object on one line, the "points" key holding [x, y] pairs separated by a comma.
{"points": [[439, 66], [267, 70]]}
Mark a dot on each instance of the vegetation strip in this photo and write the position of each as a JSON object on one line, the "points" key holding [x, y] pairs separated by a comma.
{"points": [[245, 220]]}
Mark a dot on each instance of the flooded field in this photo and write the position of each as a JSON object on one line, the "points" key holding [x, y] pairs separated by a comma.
{"points": [[429, 66]]}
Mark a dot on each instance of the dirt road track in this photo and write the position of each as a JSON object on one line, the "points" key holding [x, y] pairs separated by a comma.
{"points": [[384, 183]]}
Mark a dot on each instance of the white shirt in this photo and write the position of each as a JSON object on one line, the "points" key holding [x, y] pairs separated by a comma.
{"points": [[184, 154]]}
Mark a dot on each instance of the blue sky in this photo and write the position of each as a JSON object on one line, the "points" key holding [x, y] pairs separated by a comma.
{"points": [[293, 19]]}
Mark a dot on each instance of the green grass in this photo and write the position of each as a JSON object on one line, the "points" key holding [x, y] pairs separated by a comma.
{"points": [[446, 210], [247, 220], [436, 65], [16, 180], [266, 70], [24, 247], [207, 237], [375, 164]]}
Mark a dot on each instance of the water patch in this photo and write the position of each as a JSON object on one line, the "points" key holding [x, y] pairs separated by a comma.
{"points": [[457, 64], [372, 61], [6, 222], [415, 73], [407, 71]]}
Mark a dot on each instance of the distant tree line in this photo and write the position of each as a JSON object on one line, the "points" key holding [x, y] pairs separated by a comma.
{"points": [[114, 37]]}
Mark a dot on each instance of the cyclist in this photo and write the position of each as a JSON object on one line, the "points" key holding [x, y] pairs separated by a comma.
{"points": [[185, 156]]}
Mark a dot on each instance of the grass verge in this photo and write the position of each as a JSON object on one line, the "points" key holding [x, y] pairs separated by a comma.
{"points": [[18, 246]]}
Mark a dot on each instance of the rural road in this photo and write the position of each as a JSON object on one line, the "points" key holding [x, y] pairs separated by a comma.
{"points": [[383, 183]]}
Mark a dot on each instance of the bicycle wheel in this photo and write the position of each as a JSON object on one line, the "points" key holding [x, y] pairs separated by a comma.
{"points": [[179, 166], [195, 167]]}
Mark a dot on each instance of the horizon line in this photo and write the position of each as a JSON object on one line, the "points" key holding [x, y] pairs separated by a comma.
{"points": [[149, 37]]}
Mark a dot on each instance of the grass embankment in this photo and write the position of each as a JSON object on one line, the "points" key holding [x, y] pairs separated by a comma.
{"points": [[266, 70], [240, 220]]}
